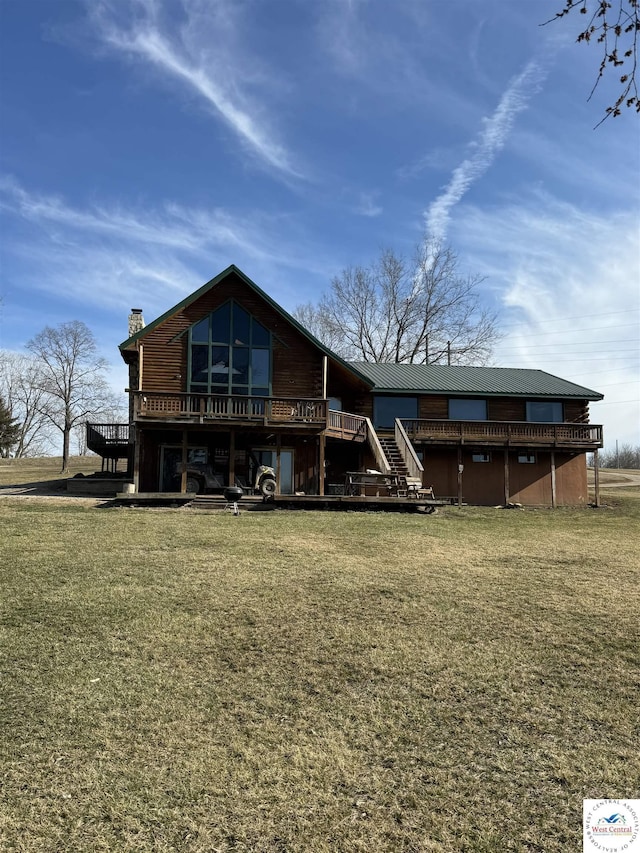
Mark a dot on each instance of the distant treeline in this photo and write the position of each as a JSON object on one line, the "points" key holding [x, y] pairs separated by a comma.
{"points": [[625, 456]]}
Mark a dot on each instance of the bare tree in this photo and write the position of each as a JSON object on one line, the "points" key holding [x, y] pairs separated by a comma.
{"points": [[316, 322], [613, 24], [419, 312], [623, 456], [71, 377], [19, 385]]}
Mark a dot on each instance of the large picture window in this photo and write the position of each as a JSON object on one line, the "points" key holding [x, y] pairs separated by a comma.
{"points": [[544, 411], [465, 409], [230, 353], [387, 409]]}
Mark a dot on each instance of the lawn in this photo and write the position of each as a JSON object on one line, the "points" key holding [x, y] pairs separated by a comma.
{"points": [[45, 469], [175, 680]]}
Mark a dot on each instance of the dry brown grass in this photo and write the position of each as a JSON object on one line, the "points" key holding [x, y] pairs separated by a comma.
{"points": [[177, 681], [44, 470]]}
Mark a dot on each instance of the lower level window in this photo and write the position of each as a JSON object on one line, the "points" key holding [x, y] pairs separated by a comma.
{"points": [[527, 458], [481, 457]]}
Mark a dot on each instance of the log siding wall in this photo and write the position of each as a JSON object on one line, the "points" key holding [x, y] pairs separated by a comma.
{"points": [[436, 407], [297, 364]]}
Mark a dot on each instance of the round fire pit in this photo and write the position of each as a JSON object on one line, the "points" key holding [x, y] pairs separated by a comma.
{"points": [[232, 494]]}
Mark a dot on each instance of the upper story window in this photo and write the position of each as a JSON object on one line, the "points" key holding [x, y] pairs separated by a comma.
{"points": [[465, 409], [545, 411], [230, 353], [387, 409]]}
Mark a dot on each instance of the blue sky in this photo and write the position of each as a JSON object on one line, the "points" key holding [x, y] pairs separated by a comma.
{"points": [[145, 146]]}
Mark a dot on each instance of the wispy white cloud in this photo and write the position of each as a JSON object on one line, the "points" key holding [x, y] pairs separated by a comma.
{"points": [[568, 281], [173, 227], [108, 255], [342, 33], [197, 55], [485, 148], [367, 205]]}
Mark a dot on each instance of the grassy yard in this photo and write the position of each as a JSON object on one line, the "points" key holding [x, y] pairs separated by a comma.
{"points": [[45, 469], [183, 681]]}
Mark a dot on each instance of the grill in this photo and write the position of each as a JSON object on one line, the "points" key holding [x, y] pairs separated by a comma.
{"points": [[232, 494]]}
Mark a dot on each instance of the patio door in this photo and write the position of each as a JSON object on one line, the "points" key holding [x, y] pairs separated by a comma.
{"points": [[171, 465], [270, 457]]}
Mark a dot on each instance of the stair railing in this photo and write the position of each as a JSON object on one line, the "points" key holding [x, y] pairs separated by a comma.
{"points": [[382, 463], [407, 451]]}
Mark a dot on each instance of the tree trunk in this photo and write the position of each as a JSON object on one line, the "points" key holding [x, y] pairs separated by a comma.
{"points": [[65, 448]]}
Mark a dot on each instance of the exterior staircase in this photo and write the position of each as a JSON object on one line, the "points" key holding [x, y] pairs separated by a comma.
{"points": [[395, 460]]}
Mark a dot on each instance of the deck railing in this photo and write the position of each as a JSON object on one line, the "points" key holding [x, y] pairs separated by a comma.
{"points": [[105, 434], [358, 428], [347, 426], [407, 451], [382, 463], [230, 407], [505, 432]]}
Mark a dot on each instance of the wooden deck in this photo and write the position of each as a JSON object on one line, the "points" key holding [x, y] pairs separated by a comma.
{"points": [[568, 436], [301, 413], [235, 410], [252, 503], [111, 441]]}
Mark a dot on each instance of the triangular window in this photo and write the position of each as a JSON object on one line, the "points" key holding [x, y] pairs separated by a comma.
{"points": [[230, 353]]}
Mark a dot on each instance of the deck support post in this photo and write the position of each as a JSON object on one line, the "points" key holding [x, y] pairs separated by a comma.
{"points": [[460, 470], [232, 460], [554, 499], [596, 477], [185, 455], [507, 485], [278, 452], [321, 459], [136, 458]]}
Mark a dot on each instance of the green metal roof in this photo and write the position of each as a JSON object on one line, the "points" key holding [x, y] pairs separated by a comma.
{"points": [[417, 378], [470, 381]]}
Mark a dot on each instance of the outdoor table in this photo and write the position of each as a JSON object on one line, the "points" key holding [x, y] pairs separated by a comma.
{"points": [[361, 482]]}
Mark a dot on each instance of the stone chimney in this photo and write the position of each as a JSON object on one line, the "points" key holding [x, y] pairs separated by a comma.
{"points": [[136, 321]]}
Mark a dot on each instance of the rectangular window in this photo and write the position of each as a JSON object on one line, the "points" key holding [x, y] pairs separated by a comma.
{"points": [[387, 409], [199, 364], [527, 458], [544, 411], [241, 365], [220, 366], [481, 457], [464, 409], [259, 367]]}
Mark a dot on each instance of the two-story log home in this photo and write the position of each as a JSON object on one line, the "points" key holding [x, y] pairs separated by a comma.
{"points": [[227, 380]]}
